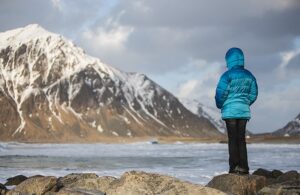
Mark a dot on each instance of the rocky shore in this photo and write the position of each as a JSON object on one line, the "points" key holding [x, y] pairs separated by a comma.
{"points": [[261, 182]]}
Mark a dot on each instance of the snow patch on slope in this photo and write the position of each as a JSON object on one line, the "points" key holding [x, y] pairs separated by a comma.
{"points": [[212, 114]]}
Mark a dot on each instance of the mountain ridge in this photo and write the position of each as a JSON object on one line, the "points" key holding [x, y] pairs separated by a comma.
{"points": [[292, 128], [51, 90], [210, 113]]}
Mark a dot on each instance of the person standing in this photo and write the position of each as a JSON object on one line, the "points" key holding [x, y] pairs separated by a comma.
{"points": [[236, 91]]}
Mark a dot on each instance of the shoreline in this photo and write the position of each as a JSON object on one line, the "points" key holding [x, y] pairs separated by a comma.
{"points": [[266, 139]]}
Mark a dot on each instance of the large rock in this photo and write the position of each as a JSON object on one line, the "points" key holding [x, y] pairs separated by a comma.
{"points": [[3, 189], [16, 180], [271, 176], [77, 191], [138, 182], [286, 188], [268, 174], [36, 185], [238, 184], [67, 180], [288, 176], [100, 183], [276, 173]]}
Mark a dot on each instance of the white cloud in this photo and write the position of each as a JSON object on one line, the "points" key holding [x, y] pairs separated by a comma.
{"points": [[140, 6], [203, 80], [109, 37], [200, 63], [208, 77], [57, 4], [286, 58], [112, 39], [187, 88]]}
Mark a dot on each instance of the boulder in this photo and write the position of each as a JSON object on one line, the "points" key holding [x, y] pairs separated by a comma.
{"points": [[288, 176], [276, 173], [286, 188], [73, 177], [268, 174], [263, 172], [238, 184], [139, 182], [3, 189], [36, 176], [16, 180], [100, 183], [35, 185], [76, 191], [271, 176]]}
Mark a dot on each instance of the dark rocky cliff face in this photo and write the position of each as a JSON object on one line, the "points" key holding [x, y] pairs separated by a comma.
{"points": [[50, 90]]}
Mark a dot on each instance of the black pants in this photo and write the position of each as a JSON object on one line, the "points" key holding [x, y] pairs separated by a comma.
{"points": [[237, 144]]}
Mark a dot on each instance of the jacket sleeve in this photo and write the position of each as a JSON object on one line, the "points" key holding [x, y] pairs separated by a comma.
{"points": [[222, 90], [253, 91]]}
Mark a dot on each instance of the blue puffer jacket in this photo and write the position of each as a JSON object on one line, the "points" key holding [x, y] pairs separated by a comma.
{"points": [[237, 88]]}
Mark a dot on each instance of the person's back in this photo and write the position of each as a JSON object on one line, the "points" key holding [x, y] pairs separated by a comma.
{"points": [[237, 88], [236, 91]]}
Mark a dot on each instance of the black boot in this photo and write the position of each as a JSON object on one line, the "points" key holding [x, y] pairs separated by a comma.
{"points": [[241, 171]]}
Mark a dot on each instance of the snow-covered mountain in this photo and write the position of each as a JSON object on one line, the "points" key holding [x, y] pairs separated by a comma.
{"points": [[50, 90], [210, 113], [292, 128]]}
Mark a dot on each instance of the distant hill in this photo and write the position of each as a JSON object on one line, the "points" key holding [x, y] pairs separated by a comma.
{"points": [[292, 128]]}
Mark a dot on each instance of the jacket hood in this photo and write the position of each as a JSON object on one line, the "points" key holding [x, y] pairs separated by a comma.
{"points": [[234, 57]]}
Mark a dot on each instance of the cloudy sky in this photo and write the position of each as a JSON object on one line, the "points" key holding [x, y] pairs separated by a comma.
{"points": [[181, 44]]}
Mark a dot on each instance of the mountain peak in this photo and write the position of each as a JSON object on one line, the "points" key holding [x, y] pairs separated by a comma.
{"points": [[35, 28], [24, 34]]}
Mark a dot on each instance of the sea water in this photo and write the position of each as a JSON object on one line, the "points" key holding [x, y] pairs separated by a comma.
{"points": [[194, 162]]}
